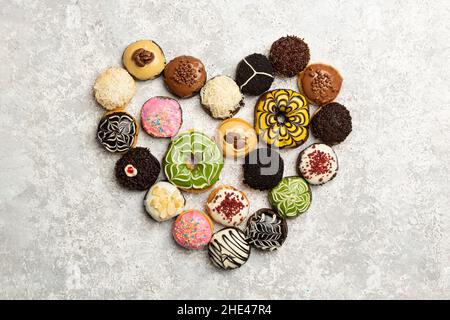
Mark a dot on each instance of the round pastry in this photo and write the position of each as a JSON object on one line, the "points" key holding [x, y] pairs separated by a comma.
{"points": [[192, 229], [331, 123], [117, 131], [318, 164], [185, 76], [291, 197], [236, 137], [163, 201], [144, 59], [161, 117], [193, 161], [254, 74], [263, 169], [114, 88], [228, 206], [282, 118], [266, 230], [221, 97], [137, 169], [229, 248], [320, 83], [289, 56]]}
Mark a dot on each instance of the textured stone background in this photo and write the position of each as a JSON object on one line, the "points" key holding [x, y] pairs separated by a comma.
{"points": [[381, 229]]}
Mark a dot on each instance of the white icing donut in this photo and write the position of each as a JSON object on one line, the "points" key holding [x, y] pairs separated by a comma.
{"points": [[228, 206], [318, 164]]}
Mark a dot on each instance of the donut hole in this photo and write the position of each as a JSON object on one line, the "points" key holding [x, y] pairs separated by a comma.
{"points": [[236, 140], [280, 117], [193, 160]]}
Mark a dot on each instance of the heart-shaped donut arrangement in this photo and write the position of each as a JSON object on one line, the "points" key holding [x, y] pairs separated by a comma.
{"points": [[194, 161]]}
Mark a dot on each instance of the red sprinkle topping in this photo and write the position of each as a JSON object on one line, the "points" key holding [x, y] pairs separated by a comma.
{"points": [[319, 162], [130, 169], [230, 205]]}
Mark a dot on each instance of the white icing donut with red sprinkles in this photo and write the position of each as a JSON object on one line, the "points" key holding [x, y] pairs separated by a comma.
{"points": [[318, 164], [228, 206]]}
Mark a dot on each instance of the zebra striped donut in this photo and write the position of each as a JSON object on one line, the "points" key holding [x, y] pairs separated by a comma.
{"points": [[229, 248], [266, 230], [117, 131]]}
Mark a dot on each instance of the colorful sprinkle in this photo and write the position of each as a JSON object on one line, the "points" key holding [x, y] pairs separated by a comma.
{"points": [[192, 229]]}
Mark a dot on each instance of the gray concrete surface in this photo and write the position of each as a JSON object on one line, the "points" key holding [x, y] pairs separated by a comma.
{"points": [[381, 229]]}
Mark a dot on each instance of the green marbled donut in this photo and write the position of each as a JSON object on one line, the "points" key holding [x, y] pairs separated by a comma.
{"points": [[291, 197], [193, 161]]}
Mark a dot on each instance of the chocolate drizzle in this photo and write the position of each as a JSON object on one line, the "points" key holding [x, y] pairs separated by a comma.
{"points": [[142, 57], [229, 248]]}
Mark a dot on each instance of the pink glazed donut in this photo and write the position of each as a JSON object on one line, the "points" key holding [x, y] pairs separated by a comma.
{"points": [[161, 117], [192, 229]]}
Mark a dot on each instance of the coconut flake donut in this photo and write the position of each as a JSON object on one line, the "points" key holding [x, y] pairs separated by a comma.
{"points": [[192, 229], [114, 88], [161, 117], [193, 161]]}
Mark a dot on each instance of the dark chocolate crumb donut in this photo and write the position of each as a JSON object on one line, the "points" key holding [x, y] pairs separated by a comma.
{"points": [[263, 169], [289, 55], [137, 169], [332, 123], [254, 74]]}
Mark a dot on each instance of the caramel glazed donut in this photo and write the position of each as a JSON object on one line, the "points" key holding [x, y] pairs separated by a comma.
{"points": [[282, 118]]}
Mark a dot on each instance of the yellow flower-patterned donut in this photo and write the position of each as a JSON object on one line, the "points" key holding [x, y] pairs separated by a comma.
{"points": [[282, 118]]}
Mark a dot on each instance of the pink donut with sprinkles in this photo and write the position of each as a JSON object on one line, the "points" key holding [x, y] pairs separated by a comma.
{"points": [[161, 117], [192, 229]]}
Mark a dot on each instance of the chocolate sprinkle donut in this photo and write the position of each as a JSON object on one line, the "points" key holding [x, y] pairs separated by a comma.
{"points": [[332, 123], [263, 169], [137, 169], [289, 55]]}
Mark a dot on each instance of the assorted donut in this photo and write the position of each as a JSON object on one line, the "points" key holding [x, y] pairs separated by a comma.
{"points": [[282, 118], [194, 160]]}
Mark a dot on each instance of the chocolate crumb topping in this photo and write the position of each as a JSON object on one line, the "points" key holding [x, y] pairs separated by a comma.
{"points": [[142, 57], [332, 123], [289, 55]]}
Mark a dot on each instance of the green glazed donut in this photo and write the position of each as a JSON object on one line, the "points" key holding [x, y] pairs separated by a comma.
{"points": [[193, 161], [291, 197]]}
